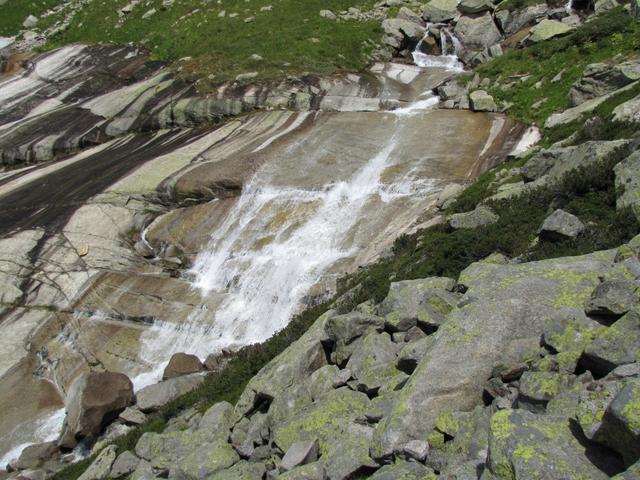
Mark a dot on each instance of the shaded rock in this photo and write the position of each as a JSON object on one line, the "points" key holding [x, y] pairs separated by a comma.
{"points": [[152, 397], [101, 466], [633, 472], [621, 423], [402, 470], [93, 401], [600, 79], [479, 217], [477, 32], [34, 456], [300, 453], [613, 346], [613, 299], [635, 9], [400, 29], [412, 353], [481, 101], [182, 364], [125, 464], [527, 446], [602, 6], [437, 11], [547, 29], [133, 416], [628, 182], [560, 225]]}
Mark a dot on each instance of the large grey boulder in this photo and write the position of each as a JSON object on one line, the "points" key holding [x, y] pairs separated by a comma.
{"points": [[403, 470], [497, 322], [34, 456], [621, 422], [523, 446], [400, 29], [547, 29], [125, 464], [512, 21], [205, 460], [475, 6], [477, 32], [182, 364], [479, 217], [153, 397], [481, 101], [373, 361], [438, 11], [537, 388], [300, 453], [600, 79], [101, 466], [628, 112], [93, 401], [627, 181], [560, 225], [613, 299]]}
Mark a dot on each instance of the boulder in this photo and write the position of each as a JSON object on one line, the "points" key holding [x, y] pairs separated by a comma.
{"points": [[537, 388], [153, 397], [601, 79], [312, 471], [438, 11], [477, 32], [560, 225], [621, 423], [125, 464], [218, 418], [132, 416], [402, 470], [536, 447], [182, 364], [372, 362], [613, 299], [591, 408], [481, 101], [93, 401], [300, 453], [242, 470], [547, 29], [35, 456], [412, 353], [348, 327], [101, 466], [30, 22], [205, 460], [627, 182], [479, 217], [328, 14], [400, 29], [511, 21], [602, 6], [613, 346], [628, 112], [449, 193], [475, 6], [406, 14]]}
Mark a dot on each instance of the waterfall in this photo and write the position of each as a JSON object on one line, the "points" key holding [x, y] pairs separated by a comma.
{"points": [[448, 61]]}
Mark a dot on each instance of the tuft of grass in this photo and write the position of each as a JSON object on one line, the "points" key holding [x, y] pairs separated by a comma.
{"points": [[291, 37], [14, 12], [612, 34]]}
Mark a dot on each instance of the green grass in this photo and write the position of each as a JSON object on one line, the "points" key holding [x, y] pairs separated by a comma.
{"points": [[613, 33], [221, 47], [14, 12]]}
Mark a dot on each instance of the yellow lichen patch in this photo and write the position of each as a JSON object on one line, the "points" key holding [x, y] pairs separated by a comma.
{"points": [[501, 425]]}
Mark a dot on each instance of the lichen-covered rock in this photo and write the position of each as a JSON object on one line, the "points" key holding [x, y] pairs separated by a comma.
{"points": [[613, 346], [620, 428], [568, 332], [537, 388], [477, 32], [628, 182], [293, 365], [125, 464], [372, 363], [206, 459], [592, 405], [344, 444], [437, 11], [402, 470], [613, 299], [411, 354], [481, 101], [479, 217], [345, 328], [512, 21], [217, 420], [154, 396], [101, 466], [300, 453], [525, 446], [242, 470], [547, 29], [475, 6], [561, 225], [311, 471], [599, 79]]}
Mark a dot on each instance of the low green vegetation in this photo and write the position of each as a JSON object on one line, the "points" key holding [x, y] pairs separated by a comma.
{"points": [[217, 41], [14, 12], [537, 80]]}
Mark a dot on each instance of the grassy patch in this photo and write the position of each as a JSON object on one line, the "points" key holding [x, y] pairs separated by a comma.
{"points": [[519, 71], [14, 12], [291, 36]]}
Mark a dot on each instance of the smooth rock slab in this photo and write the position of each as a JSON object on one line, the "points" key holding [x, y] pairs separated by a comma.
{"points": [[547, 29], [153, 397]]}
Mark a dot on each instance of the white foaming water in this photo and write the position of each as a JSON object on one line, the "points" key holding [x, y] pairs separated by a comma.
{"points": [[46, 429], [529, 138], [446, 60], [419, 106]]}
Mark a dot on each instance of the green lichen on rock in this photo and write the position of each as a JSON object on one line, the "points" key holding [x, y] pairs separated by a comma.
{"points": [[447, 423]]}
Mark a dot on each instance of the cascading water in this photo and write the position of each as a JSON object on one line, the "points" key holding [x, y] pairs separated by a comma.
{"points": [[446, 60]]}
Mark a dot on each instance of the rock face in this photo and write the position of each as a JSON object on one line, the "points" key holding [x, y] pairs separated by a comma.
{"points": [[560, 225], [182, 364], [92, 402]]}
